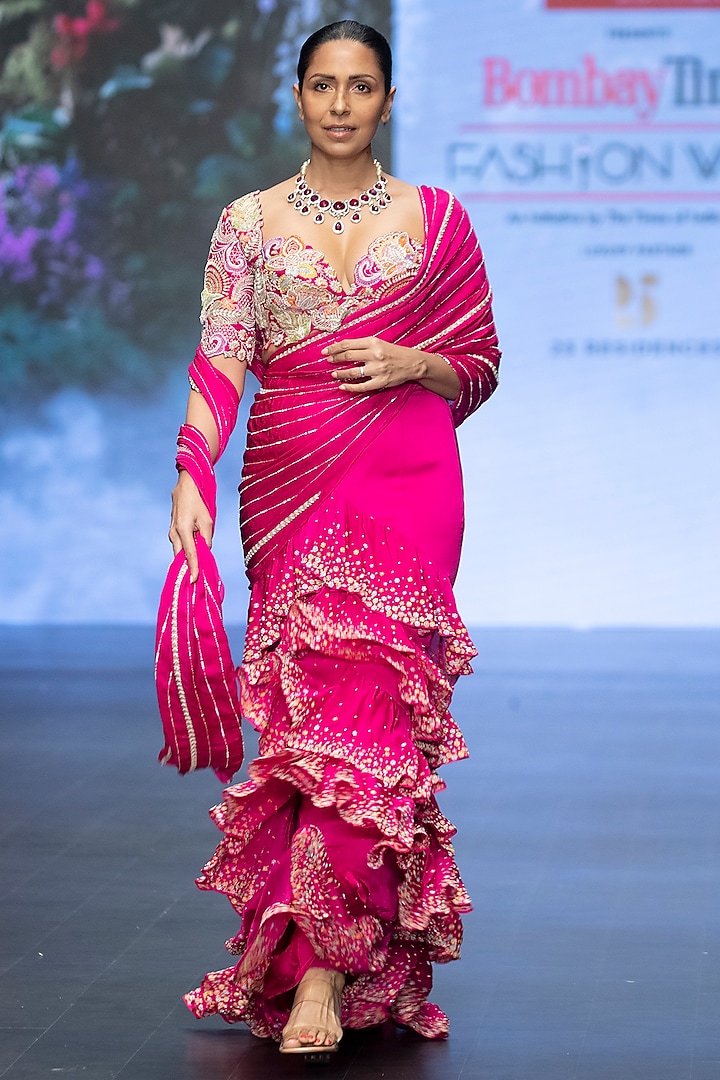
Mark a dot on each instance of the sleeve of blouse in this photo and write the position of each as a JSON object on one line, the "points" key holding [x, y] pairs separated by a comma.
{"points": [[227, 310], [473, 354], [477, 370]]}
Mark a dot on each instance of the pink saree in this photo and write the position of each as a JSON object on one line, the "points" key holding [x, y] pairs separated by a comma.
{"points": [[335, 852]]}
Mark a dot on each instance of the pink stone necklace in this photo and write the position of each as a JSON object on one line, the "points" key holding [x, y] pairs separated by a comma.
{"points": [[308, 201]]}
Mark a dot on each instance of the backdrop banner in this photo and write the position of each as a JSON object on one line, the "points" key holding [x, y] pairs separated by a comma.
{"points": [[584, 139]]}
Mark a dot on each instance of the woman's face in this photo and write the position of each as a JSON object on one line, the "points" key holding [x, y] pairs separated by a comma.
{"points": [[343, 98]]}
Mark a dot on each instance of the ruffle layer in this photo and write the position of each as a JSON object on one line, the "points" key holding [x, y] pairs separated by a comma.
{"points": [[344, 549], [392, 961], [349, 587], [257, 820], [348, 681]]}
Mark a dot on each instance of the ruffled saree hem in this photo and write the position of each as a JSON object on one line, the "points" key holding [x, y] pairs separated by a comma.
{"points": [[335, 852]]}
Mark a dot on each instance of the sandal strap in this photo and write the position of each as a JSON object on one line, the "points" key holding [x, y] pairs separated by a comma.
{"points": [[307, 1001], [331, 1002]]}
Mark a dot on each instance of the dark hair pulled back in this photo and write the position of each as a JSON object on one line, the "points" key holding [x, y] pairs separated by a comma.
{"points": [[347, 30]]}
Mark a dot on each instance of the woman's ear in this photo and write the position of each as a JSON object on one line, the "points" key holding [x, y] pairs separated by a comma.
{"points": [[298, 101], [387, 109]]}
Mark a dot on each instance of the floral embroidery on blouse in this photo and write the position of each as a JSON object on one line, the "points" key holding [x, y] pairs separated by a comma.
{"points": [[227, 308], [258, 295], [389, 259]]}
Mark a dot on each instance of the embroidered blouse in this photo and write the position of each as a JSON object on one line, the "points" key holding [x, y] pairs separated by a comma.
{"points": [[259, 295]]}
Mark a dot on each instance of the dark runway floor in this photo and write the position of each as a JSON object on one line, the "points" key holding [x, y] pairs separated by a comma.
{"points": [[589, 819]]}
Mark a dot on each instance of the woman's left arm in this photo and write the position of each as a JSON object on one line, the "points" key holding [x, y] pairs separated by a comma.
{"points": [[365, 364], [464, 369]]}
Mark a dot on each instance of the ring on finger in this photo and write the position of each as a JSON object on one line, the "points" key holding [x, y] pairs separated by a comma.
{"points": [[362, 371]]}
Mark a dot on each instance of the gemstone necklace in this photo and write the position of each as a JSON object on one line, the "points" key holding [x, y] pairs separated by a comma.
{"points": [[308, 201]]}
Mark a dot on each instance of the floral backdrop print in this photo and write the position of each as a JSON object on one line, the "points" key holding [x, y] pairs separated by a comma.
{"points": [[126, 126]]}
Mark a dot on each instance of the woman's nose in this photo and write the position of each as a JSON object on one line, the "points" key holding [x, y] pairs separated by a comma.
{"points": [[339, 103]]}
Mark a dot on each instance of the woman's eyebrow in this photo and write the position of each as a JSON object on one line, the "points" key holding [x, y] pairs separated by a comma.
{"points": [[322, 75]]}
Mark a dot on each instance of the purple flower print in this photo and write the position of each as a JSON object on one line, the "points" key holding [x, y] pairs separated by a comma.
{"points": [[43, 258]]}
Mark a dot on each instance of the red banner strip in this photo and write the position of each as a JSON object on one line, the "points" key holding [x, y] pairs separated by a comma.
{"points": [[628, 5]]}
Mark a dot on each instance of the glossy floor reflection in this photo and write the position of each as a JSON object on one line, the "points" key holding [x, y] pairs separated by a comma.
{"points": [[589, 821]]}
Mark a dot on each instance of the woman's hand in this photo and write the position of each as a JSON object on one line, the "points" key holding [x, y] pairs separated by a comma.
{"points": [[189, 516], [366, 364]]}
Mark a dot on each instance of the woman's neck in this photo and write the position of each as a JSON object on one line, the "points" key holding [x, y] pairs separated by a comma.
{"points": [[341, 179]]}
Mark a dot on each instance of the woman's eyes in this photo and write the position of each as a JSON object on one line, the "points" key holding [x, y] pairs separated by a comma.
{"points": [[362, 87]]}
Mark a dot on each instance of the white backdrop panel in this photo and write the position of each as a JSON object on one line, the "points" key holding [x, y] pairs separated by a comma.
{"points": [[586, 146]]}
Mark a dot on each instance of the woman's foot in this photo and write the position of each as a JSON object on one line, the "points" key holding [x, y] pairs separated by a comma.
{"points": [[314, 1023]]}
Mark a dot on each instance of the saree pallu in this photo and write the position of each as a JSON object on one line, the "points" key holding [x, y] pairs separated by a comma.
{"points": [[335, 852]]}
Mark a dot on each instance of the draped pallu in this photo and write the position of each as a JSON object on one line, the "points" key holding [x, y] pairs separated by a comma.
{"points": [[335, 852], [194, 677]]}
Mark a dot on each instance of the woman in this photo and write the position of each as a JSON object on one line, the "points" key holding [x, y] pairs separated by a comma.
{"points": [[361, 304]]}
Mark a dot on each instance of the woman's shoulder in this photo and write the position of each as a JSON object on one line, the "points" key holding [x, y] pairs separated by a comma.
{"points": [[433, 198], [445, 206], [274, 199], [400, 188], [245, 214], [248, 213], [440, 195]]}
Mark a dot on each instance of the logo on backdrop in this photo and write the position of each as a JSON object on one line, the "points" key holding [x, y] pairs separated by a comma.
{"points": [[686, 80], [588, 127]]}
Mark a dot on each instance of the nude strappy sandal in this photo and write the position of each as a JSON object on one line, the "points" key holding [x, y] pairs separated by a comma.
{"points": [[313, 1053]]}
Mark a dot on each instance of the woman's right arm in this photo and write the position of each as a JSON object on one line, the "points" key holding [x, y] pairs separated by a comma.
{"points": [[189, 513], [228, 342]]}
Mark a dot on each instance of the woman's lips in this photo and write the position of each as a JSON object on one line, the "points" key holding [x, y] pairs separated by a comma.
{"points": [[339, 132]]}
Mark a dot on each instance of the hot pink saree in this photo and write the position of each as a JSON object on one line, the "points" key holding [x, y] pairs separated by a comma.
{"points": [[335, 852]]}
